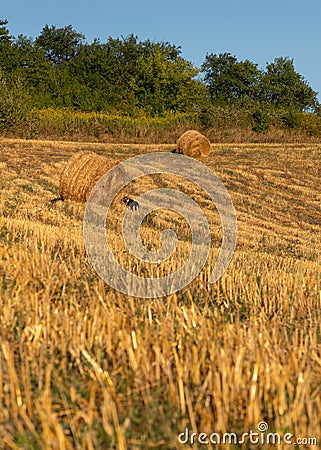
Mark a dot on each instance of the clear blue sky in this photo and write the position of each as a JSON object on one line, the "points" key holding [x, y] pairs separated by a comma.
{"points": [[250, 29]]}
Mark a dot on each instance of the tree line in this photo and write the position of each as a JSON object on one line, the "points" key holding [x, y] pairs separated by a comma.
{"points": [[124, 75]]}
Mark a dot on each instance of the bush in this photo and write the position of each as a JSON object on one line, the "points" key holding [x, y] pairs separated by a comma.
{"points": [[14, 103], [262, 119], [311, 124], [223, 117], [291, 118], [66, 123]]}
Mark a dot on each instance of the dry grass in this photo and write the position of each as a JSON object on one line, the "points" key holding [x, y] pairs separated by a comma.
{"points": [[83, 367]]}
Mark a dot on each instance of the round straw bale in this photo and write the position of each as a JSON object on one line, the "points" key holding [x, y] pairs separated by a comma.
{"points": [[193, 143], [82, 172]]}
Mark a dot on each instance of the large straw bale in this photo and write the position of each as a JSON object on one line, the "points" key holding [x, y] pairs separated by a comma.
{"points": [[82, 172], [193, 143]]}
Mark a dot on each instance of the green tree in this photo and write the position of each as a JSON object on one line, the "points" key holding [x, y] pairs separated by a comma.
{"points": [[14, 101], [33, 65], [131, 76], [164, 81], [5, 37], [229, 80], [105, 69], [60, 44], [283, 86], [8, 58]]}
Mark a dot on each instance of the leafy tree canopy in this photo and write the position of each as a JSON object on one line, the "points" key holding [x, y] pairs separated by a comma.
{"points": [[231, 80], [5, 37], [60, 44], [125, 75], [283, 86]]}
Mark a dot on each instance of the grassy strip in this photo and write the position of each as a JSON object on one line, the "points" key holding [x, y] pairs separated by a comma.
{"points": [[219, 124]]}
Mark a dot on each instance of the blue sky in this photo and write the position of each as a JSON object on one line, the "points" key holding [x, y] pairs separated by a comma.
{"points": [[250, 29]]}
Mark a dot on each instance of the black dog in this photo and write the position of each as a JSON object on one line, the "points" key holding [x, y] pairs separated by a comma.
{"points": [[130, 203]]}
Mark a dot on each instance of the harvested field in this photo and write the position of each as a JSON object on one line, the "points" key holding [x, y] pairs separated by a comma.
{"points": [[85, 367]]}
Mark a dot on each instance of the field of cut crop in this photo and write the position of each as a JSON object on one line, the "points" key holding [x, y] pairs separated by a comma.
{"points": [[85, 367]]}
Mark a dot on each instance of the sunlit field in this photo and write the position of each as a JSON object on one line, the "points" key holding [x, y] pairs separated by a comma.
{"points": [[85, 367]]}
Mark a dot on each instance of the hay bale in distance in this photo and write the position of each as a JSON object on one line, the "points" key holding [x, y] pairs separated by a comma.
{"points": [[82, 172], [193, 143]]}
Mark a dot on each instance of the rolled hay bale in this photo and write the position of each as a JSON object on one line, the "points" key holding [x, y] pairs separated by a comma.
{"points": [[82, 172], [193, 143]]}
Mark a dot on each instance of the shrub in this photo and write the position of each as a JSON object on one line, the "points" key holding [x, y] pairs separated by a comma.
{"points": [[291, 118], [261, 119], [311, 124], [15, 102]]}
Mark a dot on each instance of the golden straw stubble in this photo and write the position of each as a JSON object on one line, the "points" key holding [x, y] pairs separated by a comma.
{"points": [[193, 143], [83, 171]]}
